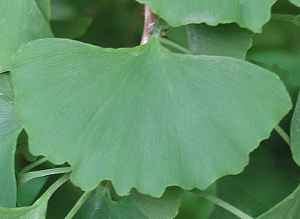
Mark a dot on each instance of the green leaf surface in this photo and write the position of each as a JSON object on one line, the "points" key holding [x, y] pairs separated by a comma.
{"points": [[289, 208], [20, 22], [165, 115], [37, 210], [249, 14], [135, 206], [9, 130], [224, 40]]}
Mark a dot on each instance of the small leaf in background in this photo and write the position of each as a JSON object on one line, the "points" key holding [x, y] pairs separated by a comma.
{"points": [[269, 178], [249, 14], [9, 130], [149, 104], [225, 40], [135, 206], [20, 22]]}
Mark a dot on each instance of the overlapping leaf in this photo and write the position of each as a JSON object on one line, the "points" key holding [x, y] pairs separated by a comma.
{"points": [[9, 130], [20, 22], [250, 14], [144, 117]]}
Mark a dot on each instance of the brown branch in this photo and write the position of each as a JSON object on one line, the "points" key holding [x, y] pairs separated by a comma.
{"points": [[148, 25]]}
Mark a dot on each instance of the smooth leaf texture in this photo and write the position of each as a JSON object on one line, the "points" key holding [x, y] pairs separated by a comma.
{"points": [[135, 206], [20, 22], [249, 14], [9, 130], [165, 115], [289, 208], [223, 40]]}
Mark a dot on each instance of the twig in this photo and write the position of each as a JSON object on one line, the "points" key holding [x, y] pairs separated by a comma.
{"points": [[148, 25]]}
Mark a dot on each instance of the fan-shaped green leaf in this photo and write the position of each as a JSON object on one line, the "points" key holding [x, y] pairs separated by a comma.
{"points": [[9, 130], [20, 22], [249, 14], [144, 117], [134, 206]]}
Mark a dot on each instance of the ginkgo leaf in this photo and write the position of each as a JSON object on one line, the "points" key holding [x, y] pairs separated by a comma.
{"points": [[135, 206], [144, 117], [288, 208], [225, 40], [20, 22], [36, 211], [9, 130], [249, 14]]}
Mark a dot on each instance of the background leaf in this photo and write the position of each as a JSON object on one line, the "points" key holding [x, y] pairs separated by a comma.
{"points": [[225, 40], [21, 21], [249, 14]]}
